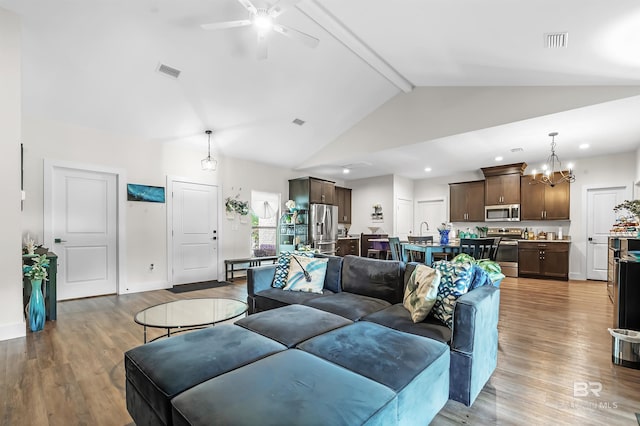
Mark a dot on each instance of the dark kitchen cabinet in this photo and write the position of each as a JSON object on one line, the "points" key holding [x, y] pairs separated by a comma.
{"points": [[466, 201], [543, 202], [502, 189], [343, 199], [541, 259], [347, 246], [310, 190]]}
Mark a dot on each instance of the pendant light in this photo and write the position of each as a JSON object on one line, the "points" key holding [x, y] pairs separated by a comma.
{"points": [[209, 164]]}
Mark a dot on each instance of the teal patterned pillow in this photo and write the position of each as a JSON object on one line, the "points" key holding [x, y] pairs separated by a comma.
{"points": [[282, 267], [315, 269], [455, 280]]}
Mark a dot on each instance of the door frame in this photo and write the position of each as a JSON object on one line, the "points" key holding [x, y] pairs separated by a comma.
{"points": [[169, 198], [121, 197], [628, 187], [431, 200]]}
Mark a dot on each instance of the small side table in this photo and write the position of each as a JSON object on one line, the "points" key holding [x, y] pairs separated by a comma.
{"points": [[50, 300]]}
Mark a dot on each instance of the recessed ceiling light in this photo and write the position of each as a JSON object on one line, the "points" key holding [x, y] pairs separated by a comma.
{"points": [[345, 171], [498, 158], [517, 149], [584, 146], [427, 169]]}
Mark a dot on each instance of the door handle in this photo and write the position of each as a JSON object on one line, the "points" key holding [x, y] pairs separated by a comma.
{"points": [[214, 238], [59, 240]]}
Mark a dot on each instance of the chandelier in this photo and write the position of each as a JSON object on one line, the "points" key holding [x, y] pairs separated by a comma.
{"points": [[209, 164], [552, 172]]}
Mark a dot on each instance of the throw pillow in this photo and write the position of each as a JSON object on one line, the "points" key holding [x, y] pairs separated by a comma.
{"points": [[455, 280], [282, 268], [421, 292], [313, 280], [480, 278], [493, 269]]}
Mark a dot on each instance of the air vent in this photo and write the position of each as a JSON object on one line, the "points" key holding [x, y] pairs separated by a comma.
{"points": [[298, 121], [517, 149], [556, 40], [169, 71]]}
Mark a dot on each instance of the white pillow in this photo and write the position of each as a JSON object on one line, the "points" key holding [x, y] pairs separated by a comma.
{"points": [[421, 292], [316, 269]]}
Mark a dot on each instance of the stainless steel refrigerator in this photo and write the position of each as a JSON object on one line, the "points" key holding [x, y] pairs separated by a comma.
{"points": [[323, 228]]}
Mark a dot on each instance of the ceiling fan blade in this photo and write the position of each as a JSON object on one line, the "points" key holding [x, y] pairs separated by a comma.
{"points": [[249, 6], [227, 24], [281, 6], [262, 46], [297, 35]]}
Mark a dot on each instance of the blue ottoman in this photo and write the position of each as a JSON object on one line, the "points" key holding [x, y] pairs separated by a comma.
{"points": [[288, 388], [292, 324], [415, 367], [158, 371]]}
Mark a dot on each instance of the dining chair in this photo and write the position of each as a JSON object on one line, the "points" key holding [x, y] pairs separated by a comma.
{"points": [[494, 248], [395, 248], [479, 248], [418, 256]]}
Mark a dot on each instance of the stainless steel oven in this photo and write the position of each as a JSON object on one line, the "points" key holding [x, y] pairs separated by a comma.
{"points": [[507, 255]]}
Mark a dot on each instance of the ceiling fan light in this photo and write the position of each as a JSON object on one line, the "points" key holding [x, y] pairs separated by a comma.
{"points": [[262, 21]]}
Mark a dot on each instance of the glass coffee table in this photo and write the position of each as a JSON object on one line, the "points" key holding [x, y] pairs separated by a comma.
{"points": [[189, 314]]}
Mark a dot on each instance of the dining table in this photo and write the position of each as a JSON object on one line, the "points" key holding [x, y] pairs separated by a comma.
{"points": [[429, 249]]}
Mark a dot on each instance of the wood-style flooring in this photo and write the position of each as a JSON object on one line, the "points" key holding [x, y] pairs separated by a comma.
{"points": [[552, 335]]}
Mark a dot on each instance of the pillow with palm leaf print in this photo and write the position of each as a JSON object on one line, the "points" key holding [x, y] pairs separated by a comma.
{"points": [[421, 292]]}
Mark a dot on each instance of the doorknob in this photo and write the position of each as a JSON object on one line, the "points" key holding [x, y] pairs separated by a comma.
{"points": [[59, 240], [590, 239]]}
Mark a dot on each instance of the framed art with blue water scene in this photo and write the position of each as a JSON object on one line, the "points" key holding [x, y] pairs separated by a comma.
{"points": [[152, 194]]}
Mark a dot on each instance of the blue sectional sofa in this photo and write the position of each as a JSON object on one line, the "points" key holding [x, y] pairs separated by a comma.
{"points": [[348, 356]]}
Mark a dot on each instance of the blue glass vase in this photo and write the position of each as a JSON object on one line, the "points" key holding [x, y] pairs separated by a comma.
{"points": [[36, 306], [444, 236]]}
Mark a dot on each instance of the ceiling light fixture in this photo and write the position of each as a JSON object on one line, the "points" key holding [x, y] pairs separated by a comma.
{"points": [[427, 169], [209, 164], [584, 146], [346, 171], [552, 173], [498, 158], [262, 20]]}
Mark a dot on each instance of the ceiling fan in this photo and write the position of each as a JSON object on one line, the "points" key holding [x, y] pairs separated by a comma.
{"points": [[264, 20]]}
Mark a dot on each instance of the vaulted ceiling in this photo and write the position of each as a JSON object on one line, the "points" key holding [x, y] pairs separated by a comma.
{"points": [[392, 87]]}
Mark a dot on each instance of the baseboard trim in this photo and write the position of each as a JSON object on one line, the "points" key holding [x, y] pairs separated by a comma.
{"points": [[149, 286], [13, 331]]}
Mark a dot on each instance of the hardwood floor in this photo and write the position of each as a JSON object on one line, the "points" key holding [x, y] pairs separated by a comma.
{"points": [[552, 334]]}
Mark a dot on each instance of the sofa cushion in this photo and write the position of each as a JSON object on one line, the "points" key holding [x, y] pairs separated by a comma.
{"points": [[415, 367], [292, 387], [282, 267], [421, 291], [162, 369], [333, 278], [276, 298], [348, 305], [381, 279], [398, 318], [306, 274], [455, 280], [292, 324]]}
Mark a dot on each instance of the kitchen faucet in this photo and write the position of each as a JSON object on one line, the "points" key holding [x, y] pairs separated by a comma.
{"points": [[423, 223]]}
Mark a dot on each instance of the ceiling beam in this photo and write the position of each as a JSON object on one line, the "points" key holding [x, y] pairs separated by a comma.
{"points": [[340, 32]]}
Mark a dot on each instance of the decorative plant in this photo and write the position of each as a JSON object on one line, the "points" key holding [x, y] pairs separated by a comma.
{"points": [[377, 207], [290, 204], [37, 270], [632, 207], [29, 244], [444, 227], [236, 205]]}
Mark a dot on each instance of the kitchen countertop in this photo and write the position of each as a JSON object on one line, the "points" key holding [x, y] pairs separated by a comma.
{"points": [[544, 241], [348, 238]]}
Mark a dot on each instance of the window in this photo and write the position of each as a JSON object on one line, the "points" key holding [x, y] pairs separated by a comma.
{"points": [[265, 213]]}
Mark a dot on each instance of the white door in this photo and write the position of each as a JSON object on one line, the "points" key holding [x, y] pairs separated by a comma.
{"points": [[404, 218], [433, 212], [195, 234], [600, 218], [83, 209]]}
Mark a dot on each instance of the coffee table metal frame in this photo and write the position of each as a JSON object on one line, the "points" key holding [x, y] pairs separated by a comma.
{"points": [[196, 324]]}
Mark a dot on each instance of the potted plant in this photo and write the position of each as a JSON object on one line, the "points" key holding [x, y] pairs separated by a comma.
{"points": [[36, 272]]}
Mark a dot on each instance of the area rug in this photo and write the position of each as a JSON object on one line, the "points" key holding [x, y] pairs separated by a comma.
{"points": [[183, 288]]}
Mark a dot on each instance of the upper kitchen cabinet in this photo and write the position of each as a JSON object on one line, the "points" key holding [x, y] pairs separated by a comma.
{"points": [[543, 202], [343, 198], [466, 201], [310, 190], [502, 184]]}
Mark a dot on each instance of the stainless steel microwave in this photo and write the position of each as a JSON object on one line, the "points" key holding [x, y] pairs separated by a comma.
{"points": [[502, 213]]}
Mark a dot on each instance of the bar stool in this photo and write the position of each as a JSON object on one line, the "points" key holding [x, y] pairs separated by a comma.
{"points": [[374, 253]]}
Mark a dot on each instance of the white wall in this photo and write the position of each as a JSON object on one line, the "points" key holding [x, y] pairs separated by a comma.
{"points": [[365, 193], [11, 318], [402, 189]]}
